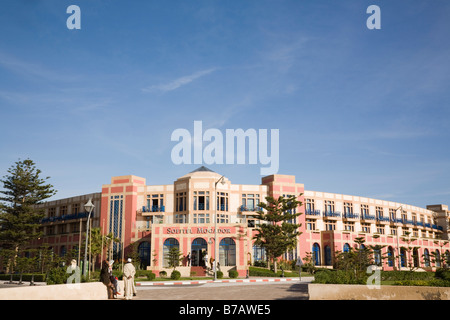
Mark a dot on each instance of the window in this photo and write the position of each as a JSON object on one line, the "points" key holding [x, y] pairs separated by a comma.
{"points": [[180, 204], [309, 206], [227, 252], [349, 226], [155, 203], [364, 210], [51, 212], [181, 218], [329, 206], [348, 208], [75, 208], [310, 224], [392, 214], [426, 257], [169, 244], [222, 218], [222, 201], [259, 253], [379, 212], [365, 227], [346, 248], [62, 210], [144, 254], [328, 257], [330, 225], [201, 218], [380, 229], [316, 254], [250, 202], [201, 200]]}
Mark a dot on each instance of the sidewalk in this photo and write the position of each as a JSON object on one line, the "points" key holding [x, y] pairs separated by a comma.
{"points": [[193, 282]]}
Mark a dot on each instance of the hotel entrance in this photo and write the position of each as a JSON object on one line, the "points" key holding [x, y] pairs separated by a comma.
{"points": [[199, 248]]}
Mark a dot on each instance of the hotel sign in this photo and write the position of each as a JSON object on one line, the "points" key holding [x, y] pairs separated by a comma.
{"points": [[197, 230]]}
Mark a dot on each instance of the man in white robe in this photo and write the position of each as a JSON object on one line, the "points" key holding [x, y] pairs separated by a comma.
{"points": [[128, 277]]}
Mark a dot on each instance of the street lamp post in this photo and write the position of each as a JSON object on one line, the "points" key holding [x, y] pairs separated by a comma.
{"points": [[222, 181], [89, 206]]}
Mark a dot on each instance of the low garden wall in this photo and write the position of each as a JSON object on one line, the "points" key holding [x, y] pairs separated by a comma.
{"points": [[363, 292], [76, 291]]}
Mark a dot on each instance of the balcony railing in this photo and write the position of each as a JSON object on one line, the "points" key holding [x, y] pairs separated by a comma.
{"points": [[312, 212], [350, 215], [332, 214], [367, 217], [154, 209], [249, 208], [386, 219], [74, 216]]}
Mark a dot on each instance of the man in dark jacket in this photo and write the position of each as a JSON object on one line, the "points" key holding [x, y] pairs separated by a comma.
{"points": [[105, 278]]}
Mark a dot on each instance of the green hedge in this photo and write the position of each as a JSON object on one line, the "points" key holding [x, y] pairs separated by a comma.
{"points": [[263, 272], [405, 275], [337, 277]]}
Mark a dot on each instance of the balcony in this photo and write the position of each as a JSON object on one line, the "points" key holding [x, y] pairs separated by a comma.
{"points": [[249, 208], [154, 209], [367, 217], [395, 220], [406, 221], [351, 215], [66, 217], [383, 219], [310, 212], [332, 214]]}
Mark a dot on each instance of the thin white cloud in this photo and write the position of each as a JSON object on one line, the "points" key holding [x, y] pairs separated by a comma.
{"points": [[178, 82]]}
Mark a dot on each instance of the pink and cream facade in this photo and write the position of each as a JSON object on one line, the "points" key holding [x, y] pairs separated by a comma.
{"points": [[181, 214]]}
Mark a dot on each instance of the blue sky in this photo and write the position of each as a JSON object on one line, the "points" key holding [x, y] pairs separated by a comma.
{"points": [[359, 111]]}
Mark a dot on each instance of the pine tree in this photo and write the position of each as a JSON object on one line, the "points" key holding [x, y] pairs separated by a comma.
{"points": [[19, 217], [277, 234]]}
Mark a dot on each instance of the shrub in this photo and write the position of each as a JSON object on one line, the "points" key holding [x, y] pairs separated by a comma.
{"points": [[233, 274], [175, 275], [57, 276], [443, 274], [151, 276], [405, 275], [337, 277], [162, 274], [219, 274]]}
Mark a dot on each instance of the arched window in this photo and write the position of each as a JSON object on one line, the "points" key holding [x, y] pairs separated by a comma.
{"points": [[437, 259], [377, 256], [403, 257], [327, 256], [416, 257], [227, 252], [391, 256], [316, 254], [169, 244], [447, 258], [199, 247], [346, 248], [426, 257], [144, 254]]}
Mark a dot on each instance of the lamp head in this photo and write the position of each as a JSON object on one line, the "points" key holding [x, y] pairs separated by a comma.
{"points": [[89, 206]]}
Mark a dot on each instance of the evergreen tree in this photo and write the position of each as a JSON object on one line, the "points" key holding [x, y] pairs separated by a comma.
{"points": [[19, 218], [277, 233]]}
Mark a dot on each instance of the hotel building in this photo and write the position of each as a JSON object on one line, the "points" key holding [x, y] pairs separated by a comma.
{"points": [[181, 214]]}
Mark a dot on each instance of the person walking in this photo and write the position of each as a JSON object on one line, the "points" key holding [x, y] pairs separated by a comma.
{"points": [[128, 277], [188, 259]]}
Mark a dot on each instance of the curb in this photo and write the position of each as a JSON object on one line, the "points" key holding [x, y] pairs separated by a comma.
{"points": [[168, 283]]}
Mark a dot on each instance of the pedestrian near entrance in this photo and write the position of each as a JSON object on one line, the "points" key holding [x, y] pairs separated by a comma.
{"points": [[205, 258], [105, 278], [128, 277], [188, 259]]}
